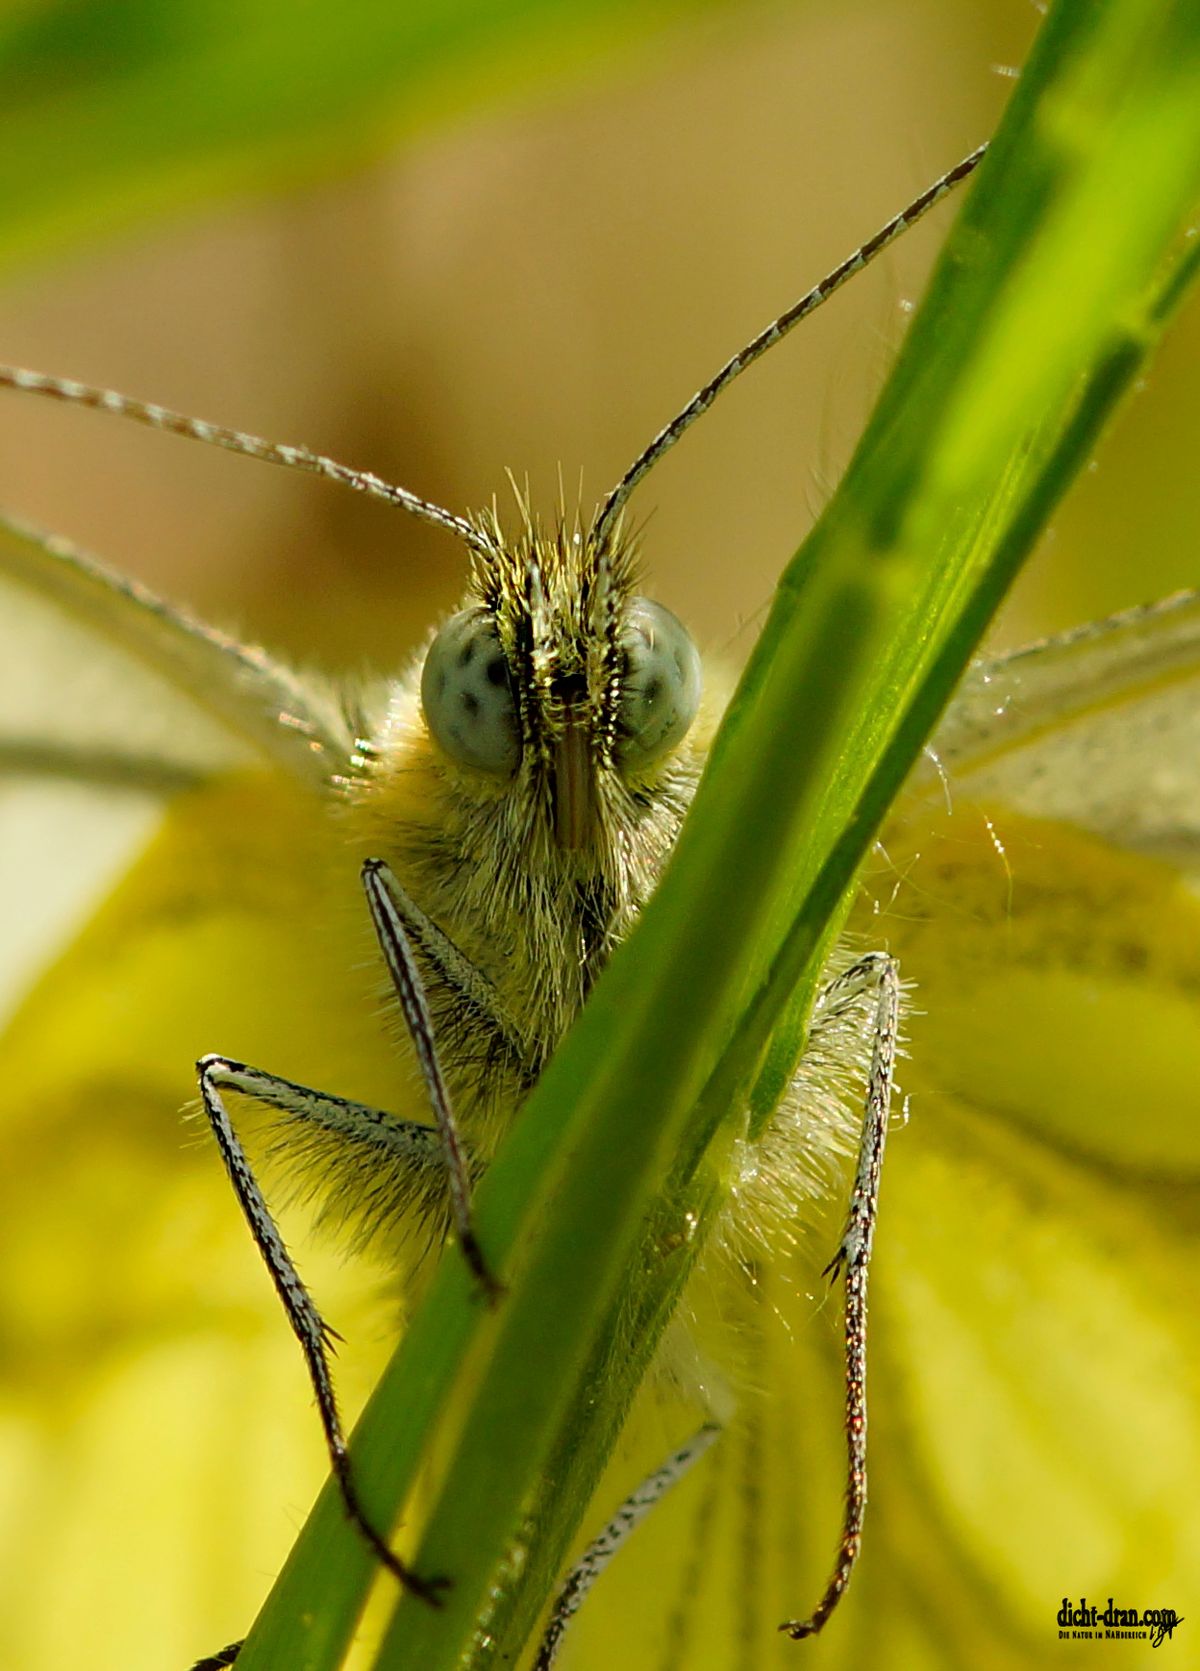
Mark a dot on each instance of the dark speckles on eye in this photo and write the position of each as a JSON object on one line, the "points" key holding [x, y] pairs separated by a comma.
{"points": [[659, 684], [466, 694]]}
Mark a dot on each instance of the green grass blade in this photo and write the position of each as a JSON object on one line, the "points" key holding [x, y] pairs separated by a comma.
{"points": [[1050, 294]]}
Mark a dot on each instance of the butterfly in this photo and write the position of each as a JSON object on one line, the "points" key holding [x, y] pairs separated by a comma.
{"points": [[992, 753]]}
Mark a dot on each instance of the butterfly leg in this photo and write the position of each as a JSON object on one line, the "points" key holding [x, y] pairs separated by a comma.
{"points": [[474, 995], [601, 1550], [388, 906], [394, 1140], [221, 1660], [875, 973]]}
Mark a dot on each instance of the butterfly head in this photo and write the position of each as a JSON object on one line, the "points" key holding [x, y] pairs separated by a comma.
{"points": [[558, 676]]}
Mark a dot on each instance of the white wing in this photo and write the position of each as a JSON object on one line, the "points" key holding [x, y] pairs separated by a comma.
{"points": [[1099, 728], [110, 703]]}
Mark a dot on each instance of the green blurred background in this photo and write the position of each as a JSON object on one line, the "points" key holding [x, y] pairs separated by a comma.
{"points": [[446, 240]]}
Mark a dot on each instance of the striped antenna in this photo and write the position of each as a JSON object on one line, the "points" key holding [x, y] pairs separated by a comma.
{"points": [[700, 402], [238, 441]]}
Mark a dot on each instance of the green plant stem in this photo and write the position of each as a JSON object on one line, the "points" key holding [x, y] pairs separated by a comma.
{"points": [[1050, 293]]}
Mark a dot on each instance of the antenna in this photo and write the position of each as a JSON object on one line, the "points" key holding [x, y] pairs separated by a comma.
{"points": [[700, 402], [239, 441], [153, 416]]}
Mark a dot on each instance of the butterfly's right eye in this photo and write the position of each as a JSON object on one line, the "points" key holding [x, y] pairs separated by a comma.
{"points": [[466, 692]]}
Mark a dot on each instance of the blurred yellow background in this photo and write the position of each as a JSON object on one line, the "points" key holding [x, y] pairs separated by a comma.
{"points": [[534, 281]]}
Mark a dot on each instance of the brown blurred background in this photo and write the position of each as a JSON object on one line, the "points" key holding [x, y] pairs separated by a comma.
{"points": [[537, 282]]}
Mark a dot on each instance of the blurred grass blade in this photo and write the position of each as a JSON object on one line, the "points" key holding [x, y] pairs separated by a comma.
{"points": [[1053, 288], [116, 109]]}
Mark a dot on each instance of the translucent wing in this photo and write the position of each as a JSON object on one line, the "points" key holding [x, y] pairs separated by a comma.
{"points": [[171, 686], [1044, 1217], [166, 888], [1099, 729], [1035, 1429], [1053, 854], [111, 703]]}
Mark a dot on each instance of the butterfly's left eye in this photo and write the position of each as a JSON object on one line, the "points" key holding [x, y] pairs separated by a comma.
{"points": [[466, 692], [660, 684]]}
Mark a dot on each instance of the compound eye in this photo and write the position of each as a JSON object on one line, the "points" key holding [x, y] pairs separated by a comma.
{"points": [[467, 695], [660, 685]]}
